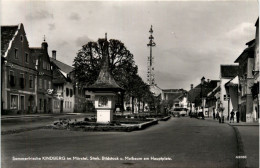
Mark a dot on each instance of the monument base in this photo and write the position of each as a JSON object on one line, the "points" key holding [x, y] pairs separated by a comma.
{"points": [[104, 116]]}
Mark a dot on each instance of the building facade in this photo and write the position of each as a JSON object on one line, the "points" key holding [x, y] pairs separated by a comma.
{"points": [[227, 73], [255, 88], [18, 72], [44, 89], [246, 81], [64, 99]]}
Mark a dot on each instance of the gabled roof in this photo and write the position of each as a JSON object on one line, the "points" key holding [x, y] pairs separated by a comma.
{"points": [[249, 52], [228, 71], [207, 87], [7, 35], [62, 66]]}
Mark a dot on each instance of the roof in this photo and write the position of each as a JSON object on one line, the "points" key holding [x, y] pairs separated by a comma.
{"points": [[105, 80], [7, 35], [36, 51], [172, 90], [228, 71], [206, 88], [257, 21], [250, 42], [62, 66], [232, 82], [247, 53], [214, 91]]}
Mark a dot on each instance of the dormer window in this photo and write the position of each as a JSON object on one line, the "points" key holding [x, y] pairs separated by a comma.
{"points": [[21, 37]]}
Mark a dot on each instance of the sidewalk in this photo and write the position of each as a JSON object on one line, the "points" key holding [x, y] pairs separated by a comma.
{"points": [[249, 138]]}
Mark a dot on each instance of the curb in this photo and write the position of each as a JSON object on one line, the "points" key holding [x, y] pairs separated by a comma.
{"points": [[242, 162], [165, 118], [147, 124]]}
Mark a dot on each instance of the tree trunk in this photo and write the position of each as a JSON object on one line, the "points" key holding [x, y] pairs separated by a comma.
{"points": [[139, 105], [132, 109]]}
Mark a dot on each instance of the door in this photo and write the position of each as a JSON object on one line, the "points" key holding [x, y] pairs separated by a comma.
{"points": [[22, 103]]}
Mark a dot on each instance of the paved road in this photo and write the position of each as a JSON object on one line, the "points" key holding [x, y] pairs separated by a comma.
{"points": [[188, 142]]}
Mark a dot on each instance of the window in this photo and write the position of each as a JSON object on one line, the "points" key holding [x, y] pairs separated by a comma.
{"points": [[40, 83], [21, 37], [31, 82], [49, 85], [48, 66], [45, 84], [16, 53], [71, 92], [67, 92], [26, 57], [70, 104], [22, 80], [40, 104], [11, 78], [14, 102], [43, 64]]}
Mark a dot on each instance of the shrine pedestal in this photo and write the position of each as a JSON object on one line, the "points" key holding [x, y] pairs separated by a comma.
{"points": [[104, 116]]}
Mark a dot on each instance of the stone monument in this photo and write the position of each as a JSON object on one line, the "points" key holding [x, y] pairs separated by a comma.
{"points": [[105, 89]]}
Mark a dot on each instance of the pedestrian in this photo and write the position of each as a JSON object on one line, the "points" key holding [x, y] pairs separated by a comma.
{"points": [[217, 116], [214, 115], [232, 116], [237, 115]]}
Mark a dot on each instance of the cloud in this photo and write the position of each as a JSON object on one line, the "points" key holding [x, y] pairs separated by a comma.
{"points": [[241, 32], [51, 26], [39, 15], [74, 16], [80, 41]]}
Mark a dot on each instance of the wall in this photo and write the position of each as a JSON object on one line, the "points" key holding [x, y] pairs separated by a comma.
{"points": [[223, 92]]}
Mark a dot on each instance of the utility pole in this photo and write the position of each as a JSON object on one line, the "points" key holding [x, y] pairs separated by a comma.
{"points": [[150, 66]]}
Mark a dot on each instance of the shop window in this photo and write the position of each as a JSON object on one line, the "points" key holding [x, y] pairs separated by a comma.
{"points": [[14, 102]]}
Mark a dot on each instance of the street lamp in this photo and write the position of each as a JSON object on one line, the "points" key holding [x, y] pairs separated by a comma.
{"points": [[201, 95]]}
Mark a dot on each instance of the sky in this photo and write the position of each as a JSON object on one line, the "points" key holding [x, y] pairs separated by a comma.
{"points": [[192, 38]]}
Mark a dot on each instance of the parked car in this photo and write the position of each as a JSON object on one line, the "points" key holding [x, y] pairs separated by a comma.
{"points": [[179, 111]]}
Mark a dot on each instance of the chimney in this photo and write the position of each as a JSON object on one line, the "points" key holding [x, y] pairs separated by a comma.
{"points": [[54, 54], [191, 86], [208, 80]]}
